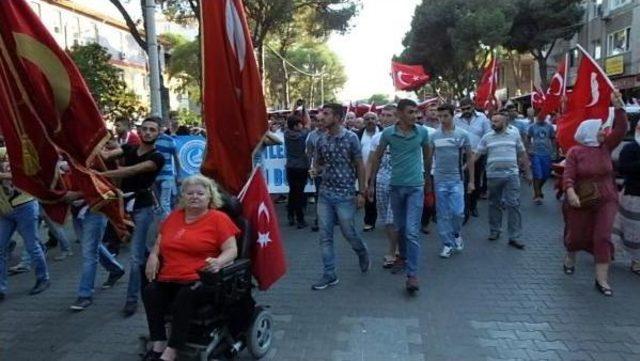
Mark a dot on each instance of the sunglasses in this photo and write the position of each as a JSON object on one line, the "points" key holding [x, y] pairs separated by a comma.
{"points": [[465, 108]]}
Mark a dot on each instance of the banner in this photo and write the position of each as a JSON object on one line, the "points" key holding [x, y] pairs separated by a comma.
{"points": [[274, 159], [190, 153]]}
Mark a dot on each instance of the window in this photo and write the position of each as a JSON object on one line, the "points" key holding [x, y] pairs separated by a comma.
{"points": [[597, 49], [573, 57], [614, 4], [618, 42], [36, 7]]}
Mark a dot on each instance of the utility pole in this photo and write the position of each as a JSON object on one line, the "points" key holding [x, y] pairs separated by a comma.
{"points": [[154, 65]]}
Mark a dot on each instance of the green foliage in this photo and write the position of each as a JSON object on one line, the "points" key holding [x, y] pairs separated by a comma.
{"points": [[184, 64], [105, 82], [379, 99], [539, 24], [453, 38], [310, 58], [189, 118]]}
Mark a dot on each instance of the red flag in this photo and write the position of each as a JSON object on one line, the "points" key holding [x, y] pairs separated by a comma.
{"points": [[537, 98], [234, 110], [268, 261], [48, 111], [408, 77], [590, 99], [556, 90], [485, 97], [361, 109]]}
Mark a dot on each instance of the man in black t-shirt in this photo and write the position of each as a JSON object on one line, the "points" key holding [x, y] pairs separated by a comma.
{"points": [[139, 167]]}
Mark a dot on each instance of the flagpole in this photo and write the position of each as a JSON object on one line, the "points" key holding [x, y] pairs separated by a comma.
{"points": [[584, 53], [566, 74]]}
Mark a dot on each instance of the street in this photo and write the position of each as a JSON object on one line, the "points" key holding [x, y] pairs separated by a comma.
{"points": [[490, 302]]}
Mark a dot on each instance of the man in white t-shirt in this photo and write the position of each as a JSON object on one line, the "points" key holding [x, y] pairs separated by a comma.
{"points": [[365, 135]]}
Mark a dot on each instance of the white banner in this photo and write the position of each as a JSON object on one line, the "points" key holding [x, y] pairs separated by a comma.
{"points": [[274, 159]]}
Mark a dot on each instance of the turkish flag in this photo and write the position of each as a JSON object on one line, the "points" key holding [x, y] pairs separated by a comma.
{"points": [[556, 90], [48, 113], [234, 110], [590, 99], [537, 98], [268, 261], [485, 97], [408, 77]]}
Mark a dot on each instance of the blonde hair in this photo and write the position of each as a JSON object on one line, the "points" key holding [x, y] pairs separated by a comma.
{"points": [[215, 199]]}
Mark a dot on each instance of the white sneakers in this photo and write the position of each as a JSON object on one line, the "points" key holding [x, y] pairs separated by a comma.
{"points": [[446, 252], [449, 251]]}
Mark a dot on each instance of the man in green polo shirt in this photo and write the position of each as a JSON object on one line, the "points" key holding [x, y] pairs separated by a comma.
{"points": [[410, 160]]}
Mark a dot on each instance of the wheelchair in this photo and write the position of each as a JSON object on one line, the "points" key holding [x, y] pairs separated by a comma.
{"points": [[229, 320]]}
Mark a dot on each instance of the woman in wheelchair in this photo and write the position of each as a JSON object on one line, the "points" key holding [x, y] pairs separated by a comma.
{"points": [[194, 237]]}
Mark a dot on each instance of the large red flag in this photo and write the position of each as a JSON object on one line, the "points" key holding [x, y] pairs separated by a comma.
{"points": [[408, 77], [485, 97], [590, 99], [268, 262], [48, 111], [557, 89], [234, 110]]}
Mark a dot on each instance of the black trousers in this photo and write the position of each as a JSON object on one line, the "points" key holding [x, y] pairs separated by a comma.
{"points": [[370, 212], [175, 299], [297, 179]]}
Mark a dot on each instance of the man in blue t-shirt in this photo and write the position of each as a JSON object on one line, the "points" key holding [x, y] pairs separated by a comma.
{"points": [[541, 136], [451, 148], [410, 161]]}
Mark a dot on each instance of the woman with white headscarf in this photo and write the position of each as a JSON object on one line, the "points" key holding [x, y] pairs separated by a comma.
{"points": [[626, 228], [591, 201]]}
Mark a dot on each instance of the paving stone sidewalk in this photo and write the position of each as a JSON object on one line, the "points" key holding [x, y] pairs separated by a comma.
{"points": [[489, 303]]}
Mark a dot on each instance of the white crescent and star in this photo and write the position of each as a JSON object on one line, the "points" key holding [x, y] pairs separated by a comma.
{"points": [[556, 77], [263, 238]]}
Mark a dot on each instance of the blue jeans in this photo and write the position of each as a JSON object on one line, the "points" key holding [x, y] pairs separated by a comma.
{"points": [[165, 190], [143, 220], [505, 191], [58, 231], [449, 210], [343, 209], [24, 219], [91, 230], [407, 203]]}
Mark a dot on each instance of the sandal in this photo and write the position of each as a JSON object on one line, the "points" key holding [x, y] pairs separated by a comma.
{"points": [[389, 261]]}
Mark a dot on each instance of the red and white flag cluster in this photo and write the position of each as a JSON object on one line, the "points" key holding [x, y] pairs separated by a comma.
{"points": [[485, 96]]}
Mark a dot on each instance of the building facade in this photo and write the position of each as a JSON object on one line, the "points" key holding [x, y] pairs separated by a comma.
{"points": [[72, 23], [611, 35]]}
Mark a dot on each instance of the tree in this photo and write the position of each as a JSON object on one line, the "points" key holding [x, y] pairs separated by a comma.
{"points": [[313, 72], [379, 99], [183, 65], [539, 24], [105, 82], [452, 39]]}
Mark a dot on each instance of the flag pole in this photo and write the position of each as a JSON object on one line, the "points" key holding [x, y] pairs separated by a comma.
{"points": [[584, 53], [566, 74]]}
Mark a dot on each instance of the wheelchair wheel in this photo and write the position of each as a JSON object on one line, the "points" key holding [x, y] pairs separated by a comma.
{"points": [[260, 334]]}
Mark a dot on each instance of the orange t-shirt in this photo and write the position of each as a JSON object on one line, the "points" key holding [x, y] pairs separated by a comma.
{"points": [[185, 247]]}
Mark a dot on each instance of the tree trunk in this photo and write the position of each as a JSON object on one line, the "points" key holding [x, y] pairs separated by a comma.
{"points": [[542, 68]]}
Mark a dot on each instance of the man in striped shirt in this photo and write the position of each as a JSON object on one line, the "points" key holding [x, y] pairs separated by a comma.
{"points": [[504, 149]]}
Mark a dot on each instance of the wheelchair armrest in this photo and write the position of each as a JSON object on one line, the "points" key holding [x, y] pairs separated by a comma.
{"points": [[231, 271]]}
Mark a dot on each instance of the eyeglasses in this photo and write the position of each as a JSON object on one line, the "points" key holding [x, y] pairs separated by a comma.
{"points": [[464, 109], [369, 118]]}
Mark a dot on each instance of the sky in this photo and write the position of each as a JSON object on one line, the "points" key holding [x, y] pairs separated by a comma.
{"points": [[366, 50]]}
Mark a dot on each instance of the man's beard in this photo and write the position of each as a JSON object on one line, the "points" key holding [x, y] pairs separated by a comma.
{"points": [[497, 129], [148, 142], [467, 115]]}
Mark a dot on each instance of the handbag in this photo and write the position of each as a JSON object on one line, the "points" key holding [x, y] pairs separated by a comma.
{"points": [[588, 193]]}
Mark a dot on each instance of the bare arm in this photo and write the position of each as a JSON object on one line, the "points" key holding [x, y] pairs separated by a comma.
{"points": [[427, 156], [226, 257], [5, 175], [523, 161], [124, 172], [110, 154]]}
